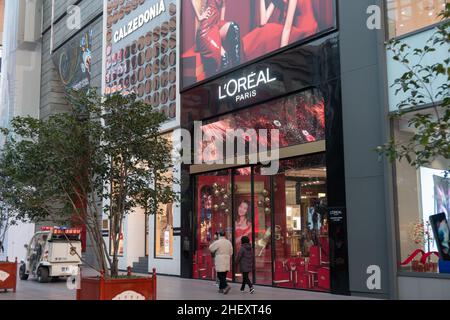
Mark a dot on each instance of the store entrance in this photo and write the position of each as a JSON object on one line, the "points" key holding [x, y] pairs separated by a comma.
{"points": [[284, 216]]}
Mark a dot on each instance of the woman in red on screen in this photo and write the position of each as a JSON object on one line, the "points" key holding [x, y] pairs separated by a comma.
{"points": [[297, 21], [243, 225], [218, 41]]}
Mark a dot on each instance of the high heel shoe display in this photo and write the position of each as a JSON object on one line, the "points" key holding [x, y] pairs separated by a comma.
{"points": [[224, 61], [233, 41]]}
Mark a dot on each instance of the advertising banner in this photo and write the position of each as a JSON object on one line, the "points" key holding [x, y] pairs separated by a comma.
{"points": [[73, 61], [140, 51], [221, 34]]}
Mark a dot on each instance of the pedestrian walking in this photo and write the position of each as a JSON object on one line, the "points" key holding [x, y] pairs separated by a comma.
{"points": [[216, 237], [245, 259], [222, 250]]}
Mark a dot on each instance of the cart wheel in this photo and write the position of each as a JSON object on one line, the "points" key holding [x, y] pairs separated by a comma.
{"points": [[42, 275], [22, 274]]}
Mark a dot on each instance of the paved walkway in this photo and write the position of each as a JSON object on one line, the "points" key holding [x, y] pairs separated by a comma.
{"points": [[169, 288]]}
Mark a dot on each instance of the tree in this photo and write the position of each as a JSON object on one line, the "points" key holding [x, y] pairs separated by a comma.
{"points": [[104, 157], [432, 129], [6, 220]]}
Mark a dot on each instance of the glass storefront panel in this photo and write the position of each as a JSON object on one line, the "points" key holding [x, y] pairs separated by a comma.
{"points": [[423, 195], [301, 224], [164, 232], [285, 217], [214, 214], [164, 222], [299, 119], [243, 217], [263, 227], [405, 16]]}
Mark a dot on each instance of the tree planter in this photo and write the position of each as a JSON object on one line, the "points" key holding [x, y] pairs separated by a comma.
{"points": [[100, 288], [8, 275]]}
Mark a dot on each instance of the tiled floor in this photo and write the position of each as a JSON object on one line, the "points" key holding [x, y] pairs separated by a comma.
{"points": [[169, 288]]}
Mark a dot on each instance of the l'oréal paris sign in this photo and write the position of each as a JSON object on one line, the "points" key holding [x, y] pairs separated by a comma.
{"points": [[152, 12], [246, 87]]}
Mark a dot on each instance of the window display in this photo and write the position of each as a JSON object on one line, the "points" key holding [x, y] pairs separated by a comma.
{"points": [[421, 193], [121, 244], [221, 34], [301, 255], [408, 16], [164, 222], [284, 216], [441, 232], [299, 118], [213, 203], [164, 232]]}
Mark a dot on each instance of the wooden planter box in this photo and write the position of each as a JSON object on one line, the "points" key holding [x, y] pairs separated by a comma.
{"points": [[8, 275], [100, 288]]}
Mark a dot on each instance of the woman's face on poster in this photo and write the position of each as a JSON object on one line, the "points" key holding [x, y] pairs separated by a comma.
{"points": [[243, 209]]}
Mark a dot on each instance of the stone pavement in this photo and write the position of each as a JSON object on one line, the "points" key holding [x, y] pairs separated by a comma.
{"points": [[169, 288]]}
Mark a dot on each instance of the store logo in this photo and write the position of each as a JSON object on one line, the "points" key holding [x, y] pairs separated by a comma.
{"points": [[154, 11], [246, 87]]}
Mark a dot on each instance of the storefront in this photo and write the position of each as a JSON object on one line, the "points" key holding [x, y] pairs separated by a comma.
{"points": [[140, 57], [296, 217]]}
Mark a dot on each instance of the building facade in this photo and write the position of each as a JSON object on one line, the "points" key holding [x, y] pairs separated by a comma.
{"points": [[339, 70], [334, 216], [418, 196], [140, 56], [19, 87]]}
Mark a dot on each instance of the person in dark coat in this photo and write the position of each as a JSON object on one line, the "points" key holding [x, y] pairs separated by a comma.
{"points": [[245, 261]]}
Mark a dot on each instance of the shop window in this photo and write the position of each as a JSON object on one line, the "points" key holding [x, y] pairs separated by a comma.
{"points": [[284, 216], [263, 227], [301, 225], [164, 232], [405, 16], [164, 223], [120, 250], [213, 203], [421, 194], [299, 119], [243, 216]]}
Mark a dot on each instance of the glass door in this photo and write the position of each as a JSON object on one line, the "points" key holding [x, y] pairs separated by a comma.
{"points": [[301, 224], [243, 213], [214, 214], [263, 228]]}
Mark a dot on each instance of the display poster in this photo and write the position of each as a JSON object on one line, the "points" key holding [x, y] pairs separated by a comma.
{"points": [[441, 232], [218, 35], [74, 60]]}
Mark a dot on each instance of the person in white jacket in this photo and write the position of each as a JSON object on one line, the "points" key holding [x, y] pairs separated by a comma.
{"points": [[222, 249]]}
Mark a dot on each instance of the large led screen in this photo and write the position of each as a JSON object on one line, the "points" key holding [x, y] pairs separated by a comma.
{"points": [[221, 34]]}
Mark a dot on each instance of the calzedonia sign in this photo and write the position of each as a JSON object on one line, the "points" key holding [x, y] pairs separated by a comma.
{"points": [[246, 87], [152, 12]]}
